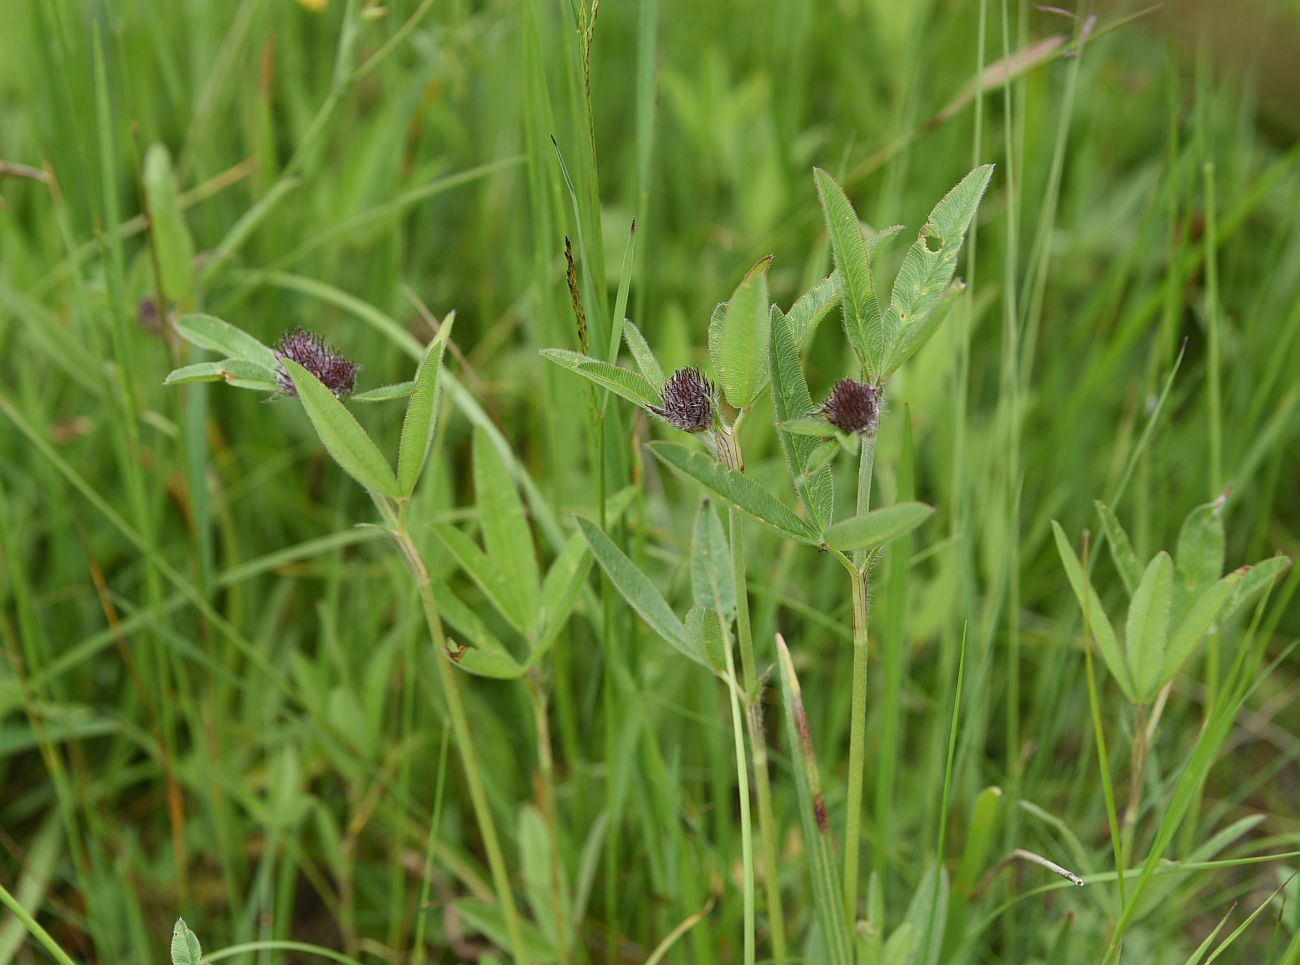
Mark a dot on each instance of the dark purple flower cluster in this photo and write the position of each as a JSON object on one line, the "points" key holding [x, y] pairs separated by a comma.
{"points": [[852, 407], [315, 355], [688, 401]]}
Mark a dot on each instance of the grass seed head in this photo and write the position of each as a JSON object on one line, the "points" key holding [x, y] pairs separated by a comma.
{"points": [[319, 358]]}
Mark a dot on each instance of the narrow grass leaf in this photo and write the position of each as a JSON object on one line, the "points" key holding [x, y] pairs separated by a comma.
{"points": [[738, 490], [878, 527], [210, 332], [623, 382], [863, 322], [171, 239], [1121, 549], [1147, 630], [421, 417], [487, 919], [639, 591], [827, 898], [1096, 619], [792, 402], [738, 338], [643, 356], [560, 589], [342, 435]]}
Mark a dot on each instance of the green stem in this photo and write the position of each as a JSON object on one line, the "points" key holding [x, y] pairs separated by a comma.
{"points": [[1136, 776], [746, 832], [464, 743], [857, 745], [34, 928], [757, 742], [858, 709], [546, 792]]}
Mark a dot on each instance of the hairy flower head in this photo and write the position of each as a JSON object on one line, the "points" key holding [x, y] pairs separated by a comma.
{"points": [[852, 407], [688, 401], [319, 358]]}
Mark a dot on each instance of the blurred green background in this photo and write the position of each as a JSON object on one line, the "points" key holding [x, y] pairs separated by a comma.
{"points": [[223, 745]]}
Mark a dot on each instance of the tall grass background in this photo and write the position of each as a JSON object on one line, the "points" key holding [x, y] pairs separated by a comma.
{"points": [[216, 694]]}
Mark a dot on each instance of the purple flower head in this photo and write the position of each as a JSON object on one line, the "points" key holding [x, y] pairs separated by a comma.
{"points": [[688, 401], [315, 355], [852, 407]]}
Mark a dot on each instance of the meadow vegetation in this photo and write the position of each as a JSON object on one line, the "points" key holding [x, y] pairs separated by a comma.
{"points": [[573, 482]]}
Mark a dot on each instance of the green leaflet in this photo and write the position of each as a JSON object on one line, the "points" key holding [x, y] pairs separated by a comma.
{"points": [[705, 631], [171, 238], [422, 412], [877, 527], [637, 589], [928, 267], [863, 322], [644, 357], [737, 489], [811, 307], [630, 385], [1197, 622], [713, 580], [1121, 550], [791, 403], [1147, 630], [1094, 616], [506, 536], [210, 332], [342, 435], [185, 948], [738, 338]]}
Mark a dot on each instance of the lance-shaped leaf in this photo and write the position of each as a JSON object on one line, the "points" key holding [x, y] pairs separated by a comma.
{"points": [[342, 435], [1094, 616], [931, 262], [827, 898], [185, 947], [713, 580], [422, 412], [1253, 581], [485, 655], [912, 338], [705, 630], [632, 386], [210, 332], [878, 527], [811, 307], [738, 489], [738, 338], [240, 373], [489, 577], [1200, 551], [1147, 631], [643, 355], [1198, 621], [385, 393], [506, 536], [1121, 550], [791, 402], [637, 589], [863, 321], [559, 593]]}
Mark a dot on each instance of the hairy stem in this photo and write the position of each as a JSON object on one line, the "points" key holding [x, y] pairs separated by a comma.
{"points": [[1136, 776]]}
